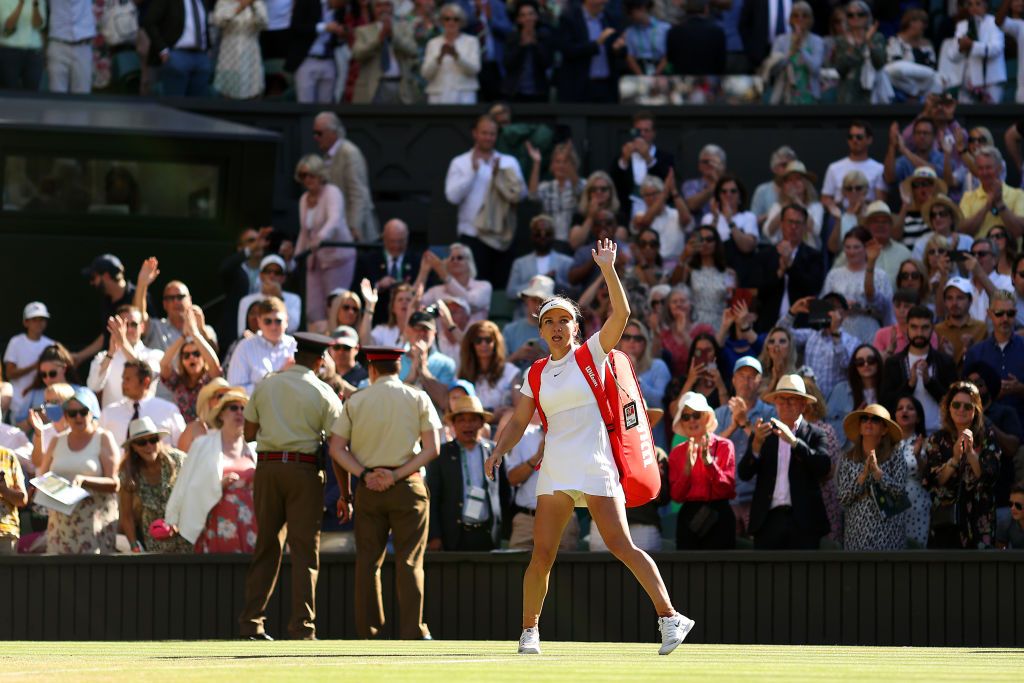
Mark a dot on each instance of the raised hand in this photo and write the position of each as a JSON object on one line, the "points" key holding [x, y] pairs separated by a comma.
{"points": [[368, 292], [873, 250], [149, 271], [534, 153], [604, 254]]}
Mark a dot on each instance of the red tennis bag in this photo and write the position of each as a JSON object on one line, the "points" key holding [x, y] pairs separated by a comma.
{"points": [[624, 412]]}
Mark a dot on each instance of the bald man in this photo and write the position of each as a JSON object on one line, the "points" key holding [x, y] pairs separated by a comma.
{"points": [[348, 170], [390, 266], [160, 333]]}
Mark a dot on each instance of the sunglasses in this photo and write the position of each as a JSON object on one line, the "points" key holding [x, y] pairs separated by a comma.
{"points": [[449, 18], [686, 417], [856, 136], [349, 307], [273, 321], [937, 251], [484, 340], [175, 297], [50, 374], [729, 190], [997, 235], [131, 324], [918, 184], [659, 302], [148, 441], [190, 354], [971, 139], [457, 257], [1012, 313], [317, 133], [855, 188], [856, 15], [302, 175], [633, 338], [861, 362], [1017, 506], [234, 407], [979, 254], [940, 214], [957, 405], [600, 188], [647, 243], [76, 412], [873, 419], [276, 272], [909, 276]]}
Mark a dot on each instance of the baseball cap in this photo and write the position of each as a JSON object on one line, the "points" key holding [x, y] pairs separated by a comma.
{"points": [[540, 286], [346, 336], [878, 207], [963, 284], [36, 309], [273, 259], [463, 384], [747, 362], [422, 319], [104, 263]]}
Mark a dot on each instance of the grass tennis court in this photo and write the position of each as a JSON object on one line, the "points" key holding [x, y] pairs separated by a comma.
{"points": [[453, 662]]}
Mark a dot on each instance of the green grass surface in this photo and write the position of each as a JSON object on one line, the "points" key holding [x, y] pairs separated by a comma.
{"points": [[453, 662]]}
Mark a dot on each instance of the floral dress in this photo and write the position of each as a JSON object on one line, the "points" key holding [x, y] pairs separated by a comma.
{"points": [[91, 528], [833, 509], [865, 527], [185, 397], [974, 496], [150, 502], [231, 524], [917, 517]]}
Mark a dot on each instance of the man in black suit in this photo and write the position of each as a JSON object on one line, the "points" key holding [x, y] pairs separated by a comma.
{"points": [[465, 506], [789, 457], [239, 274], [639, 158], [593, 52], [179, 41], [793, 269], [761, 22], [696, 47], [395, 264]]}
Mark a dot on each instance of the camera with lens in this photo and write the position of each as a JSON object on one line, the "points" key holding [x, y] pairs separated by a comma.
{"points": [[433, 311]]}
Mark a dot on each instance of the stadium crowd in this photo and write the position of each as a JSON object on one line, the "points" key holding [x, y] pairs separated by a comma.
{"points": [[875, 319], [465, 51]]}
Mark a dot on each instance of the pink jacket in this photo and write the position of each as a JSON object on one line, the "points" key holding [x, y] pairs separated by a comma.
{"points": [[328, 223]]}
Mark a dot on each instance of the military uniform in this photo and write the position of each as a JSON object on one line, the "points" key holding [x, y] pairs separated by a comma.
{"points": [[293, 409], [383, 424]]}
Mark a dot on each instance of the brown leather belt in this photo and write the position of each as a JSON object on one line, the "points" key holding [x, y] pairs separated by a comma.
{"points": [[286, 456]]}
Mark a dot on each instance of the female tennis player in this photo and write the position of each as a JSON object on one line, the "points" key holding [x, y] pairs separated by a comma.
{"points": [[578, 467]]}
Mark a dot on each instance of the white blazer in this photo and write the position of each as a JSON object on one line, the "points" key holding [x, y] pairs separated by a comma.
{"points": [[452, 74], [985, 64], [198, 488]]}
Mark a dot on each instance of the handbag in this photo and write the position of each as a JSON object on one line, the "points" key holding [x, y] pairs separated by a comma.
{"points": [[889, 505], [703, 521], [120, 23]]}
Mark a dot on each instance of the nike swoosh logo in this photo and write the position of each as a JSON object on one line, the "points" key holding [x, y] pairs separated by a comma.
{"points": [[556, 374]]}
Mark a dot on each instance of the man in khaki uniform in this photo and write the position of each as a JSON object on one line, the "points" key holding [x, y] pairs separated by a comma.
{"points": [[376, 440], [288, 416]]}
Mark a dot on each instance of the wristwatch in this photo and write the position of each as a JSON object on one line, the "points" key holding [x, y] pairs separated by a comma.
{"points": [[362, 475]]}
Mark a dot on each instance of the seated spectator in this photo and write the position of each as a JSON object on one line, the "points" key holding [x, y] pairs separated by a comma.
{"points": [[125, 345], [909, 415], [86, 455], [273, 273], [671, 223], [310, 53], [729, 216], [239, 71], [465, 505], [385, 268], [344, 307], [980, 53], [702, 474], [13, 495], [704, 270], [55, 366], [268, 351], [862, 387], [459, 274], [160, 333], [647, 267], [1010, 19], [963, 466], [867, 289], [21, 47], [529, 54], [147, 474], [186, 368], [815, 414], [678, 329], [707, 371], [872, 469], [593, 50], [584, 272], [893, 338], [980, 267], [778, 358], [796, 59], [211, 505], [942, 217], [993, 202], [452, 61], [1003, 351], [1005, 248], [21, 357], [560, 196], [918, 189], [768, 192], [388, 57], [859, 138], [182, 56], [1013, 536], [482, 362], [346, 374], [453, 321], [827, 351], [912, 278], [913, 65], [698, 192], [652, 373], [403, 301], [645, 37], [522, 338], [541, 261], [849, 211], [207, 400], [797, 189], [859, 58], [599, 194], [423, 365], [696, 46], [959, 330]]}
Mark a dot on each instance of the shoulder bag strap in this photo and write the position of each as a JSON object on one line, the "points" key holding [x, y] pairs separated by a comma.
{"points": [[585, 360], [534, 379]]}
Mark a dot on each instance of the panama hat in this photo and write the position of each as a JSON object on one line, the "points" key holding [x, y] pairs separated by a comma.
{"points": [[926, 210], [924, 173], [798, 168], [468, 404], [232, 395], [851, 423], [790, 385], [140, 427]]}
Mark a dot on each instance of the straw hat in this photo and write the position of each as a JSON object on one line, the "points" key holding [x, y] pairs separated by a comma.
{"points": [[468, 404], [798, 168], [214, 388], [924, 173], [851, 423], [945, 201], [232, 395], [790, 385], [141, 427]]}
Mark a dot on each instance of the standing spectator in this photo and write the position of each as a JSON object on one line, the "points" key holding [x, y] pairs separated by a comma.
{"points": [[872, 468], [344, 307], [268, 351], [941, 217], [273, 273], [707, 372], [452, 61], [767, 193], [778, 358], [705, 271], [959, 330], [736, 226], [909, 416], [993, 202], [698, 192], [106, 275], [424, 365], [212, 503], [793, 269], [702, 476], [1006, 250], [669, 223], [678, 329], [21, 357], [696, 46], [985, 281], [275, 38], [592, 52], [796, 60], [848, 212], [559, 196], [522, 338], [867, 288], [55, 366], [136, 380], [789, 458], [186, 367], [1003, 351], [893, 338], [599, 195], [239, 71], [426, 24], [543, 260], [879, 223], [385, 50], [1018, 288], [828, 350], [482, 362], [640, 159], [797, 191], [1013, 28], [147, 476], [394, 265], [980, 47], [645, 39], [72, 28], [966, 172], [858, 140], [963, 465], [13, 495], [918, 162], [470, 182], [653, 374], [862, 387], [85, 455], [859, 58], [206, 403], [913, 65], [459, 273], [240, 276], [21, 45], [394, 330], [160, 333], [761, 22], [311, 51], [488, 21], [347, 171], [347, 373], [529, 55], [322, 219], [179, 44], [815, 414], [107, 367]]}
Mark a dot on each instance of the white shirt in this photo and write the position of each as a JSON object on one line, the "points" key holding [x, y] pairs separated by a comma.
{"points": [[109, 381], [292, 304], [14, 440], [837, 170], [165, 414], [773, 17], [781, 495], [255, 358], [187, 40], [1015, 29], [746, 221], [467, 188], [386, 335], [23, 352], [931, 408], [979, 302], [279, 14], [671, 235], [526, 493]]}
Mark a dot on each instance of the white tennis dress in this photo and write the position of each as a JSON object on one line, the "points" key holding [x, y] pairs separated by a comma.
{"points": [[577, 454]]}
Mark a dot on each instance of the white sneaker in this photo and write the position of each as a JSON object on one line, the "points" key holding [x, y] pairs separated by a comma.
{"points": [[674, 630], [529, 642]]}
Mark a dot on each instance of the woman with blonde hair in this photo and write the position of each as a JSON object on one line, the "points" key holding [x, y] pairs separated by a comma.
{"points": [[482, 362], [458, 274], [206, 400], [778, 357], [598, 193], [560, 196], [850, 211], [451, 61], [404, 302]]}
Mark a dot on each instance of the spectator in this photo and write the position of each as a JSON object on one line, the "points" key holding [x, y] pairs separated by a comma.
{"points": [[22, 354], [106, 274], [736, 333], [909, 416], [55, 366], [959, 330], [187, 366], [858, 140], [640, 159], [815, 414], [797, 190], [344, 308], [136, 381], [670, 223], [181, 54], [1018, 288], [426, 24], [869, 290], [916, 190], [878, 220], [699, 192], [239, 71], [696, 46], [107, 367], [767, 193], [827, 351], [789, 458], [311, 51], [268, 351], [86, 456], [980, 47], [21, 50], [794, 269], [522, 337], [393, 265], [912, 277], [796, 60], [941, 217], [645, 39], [13, 495], [993, 202], [1006, 249], [72, 28], [859, 58], [453, 81], [981, 268], [322, 219], [1013, 536], [583, 272], [541, 261], [704, 270], [240, 275], [706, 372], [404, 300], [761, 22], [206, 401], [778, 358], [212, 505], [423, 365], [473, 177], [966, 172], [963, 465], [1003, 351], [347, 374], [386, 50], [482, 361], [465, 506], [702, 475], [648, 268], [273, 273], [913, 65], [529, 55], [862, 387], [147, 475], [45, 422], [593, 48], [458, 272], [729, 216], [893, 338], [599, 194], [347, 171], [849, 212], [160, 333], [678, 329], [1013, 28], [652, 373], [919, 157], [488, 21], [560, 196], [872, 469]]}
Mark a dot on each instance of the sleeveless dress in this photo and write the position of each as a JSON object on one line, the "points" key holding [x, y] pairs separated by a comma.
{"points": [[231, 524], [577, 453], [151, 502], [91, 528]]}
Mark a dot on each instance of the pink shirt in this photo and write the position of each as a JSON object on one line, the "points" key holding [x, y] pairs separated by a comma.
{"points": [[884, 337]]}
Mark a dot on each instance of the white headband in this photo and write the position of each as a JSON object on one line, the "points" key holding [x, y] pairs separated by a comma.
{"points": [[558, 302]]}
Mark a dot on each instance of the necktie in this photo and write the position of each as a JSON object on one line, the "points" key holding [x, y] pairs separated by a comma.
{"points": [[197, 22], [780, 17], [135, 416], [385, 56], [393, 270]]}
